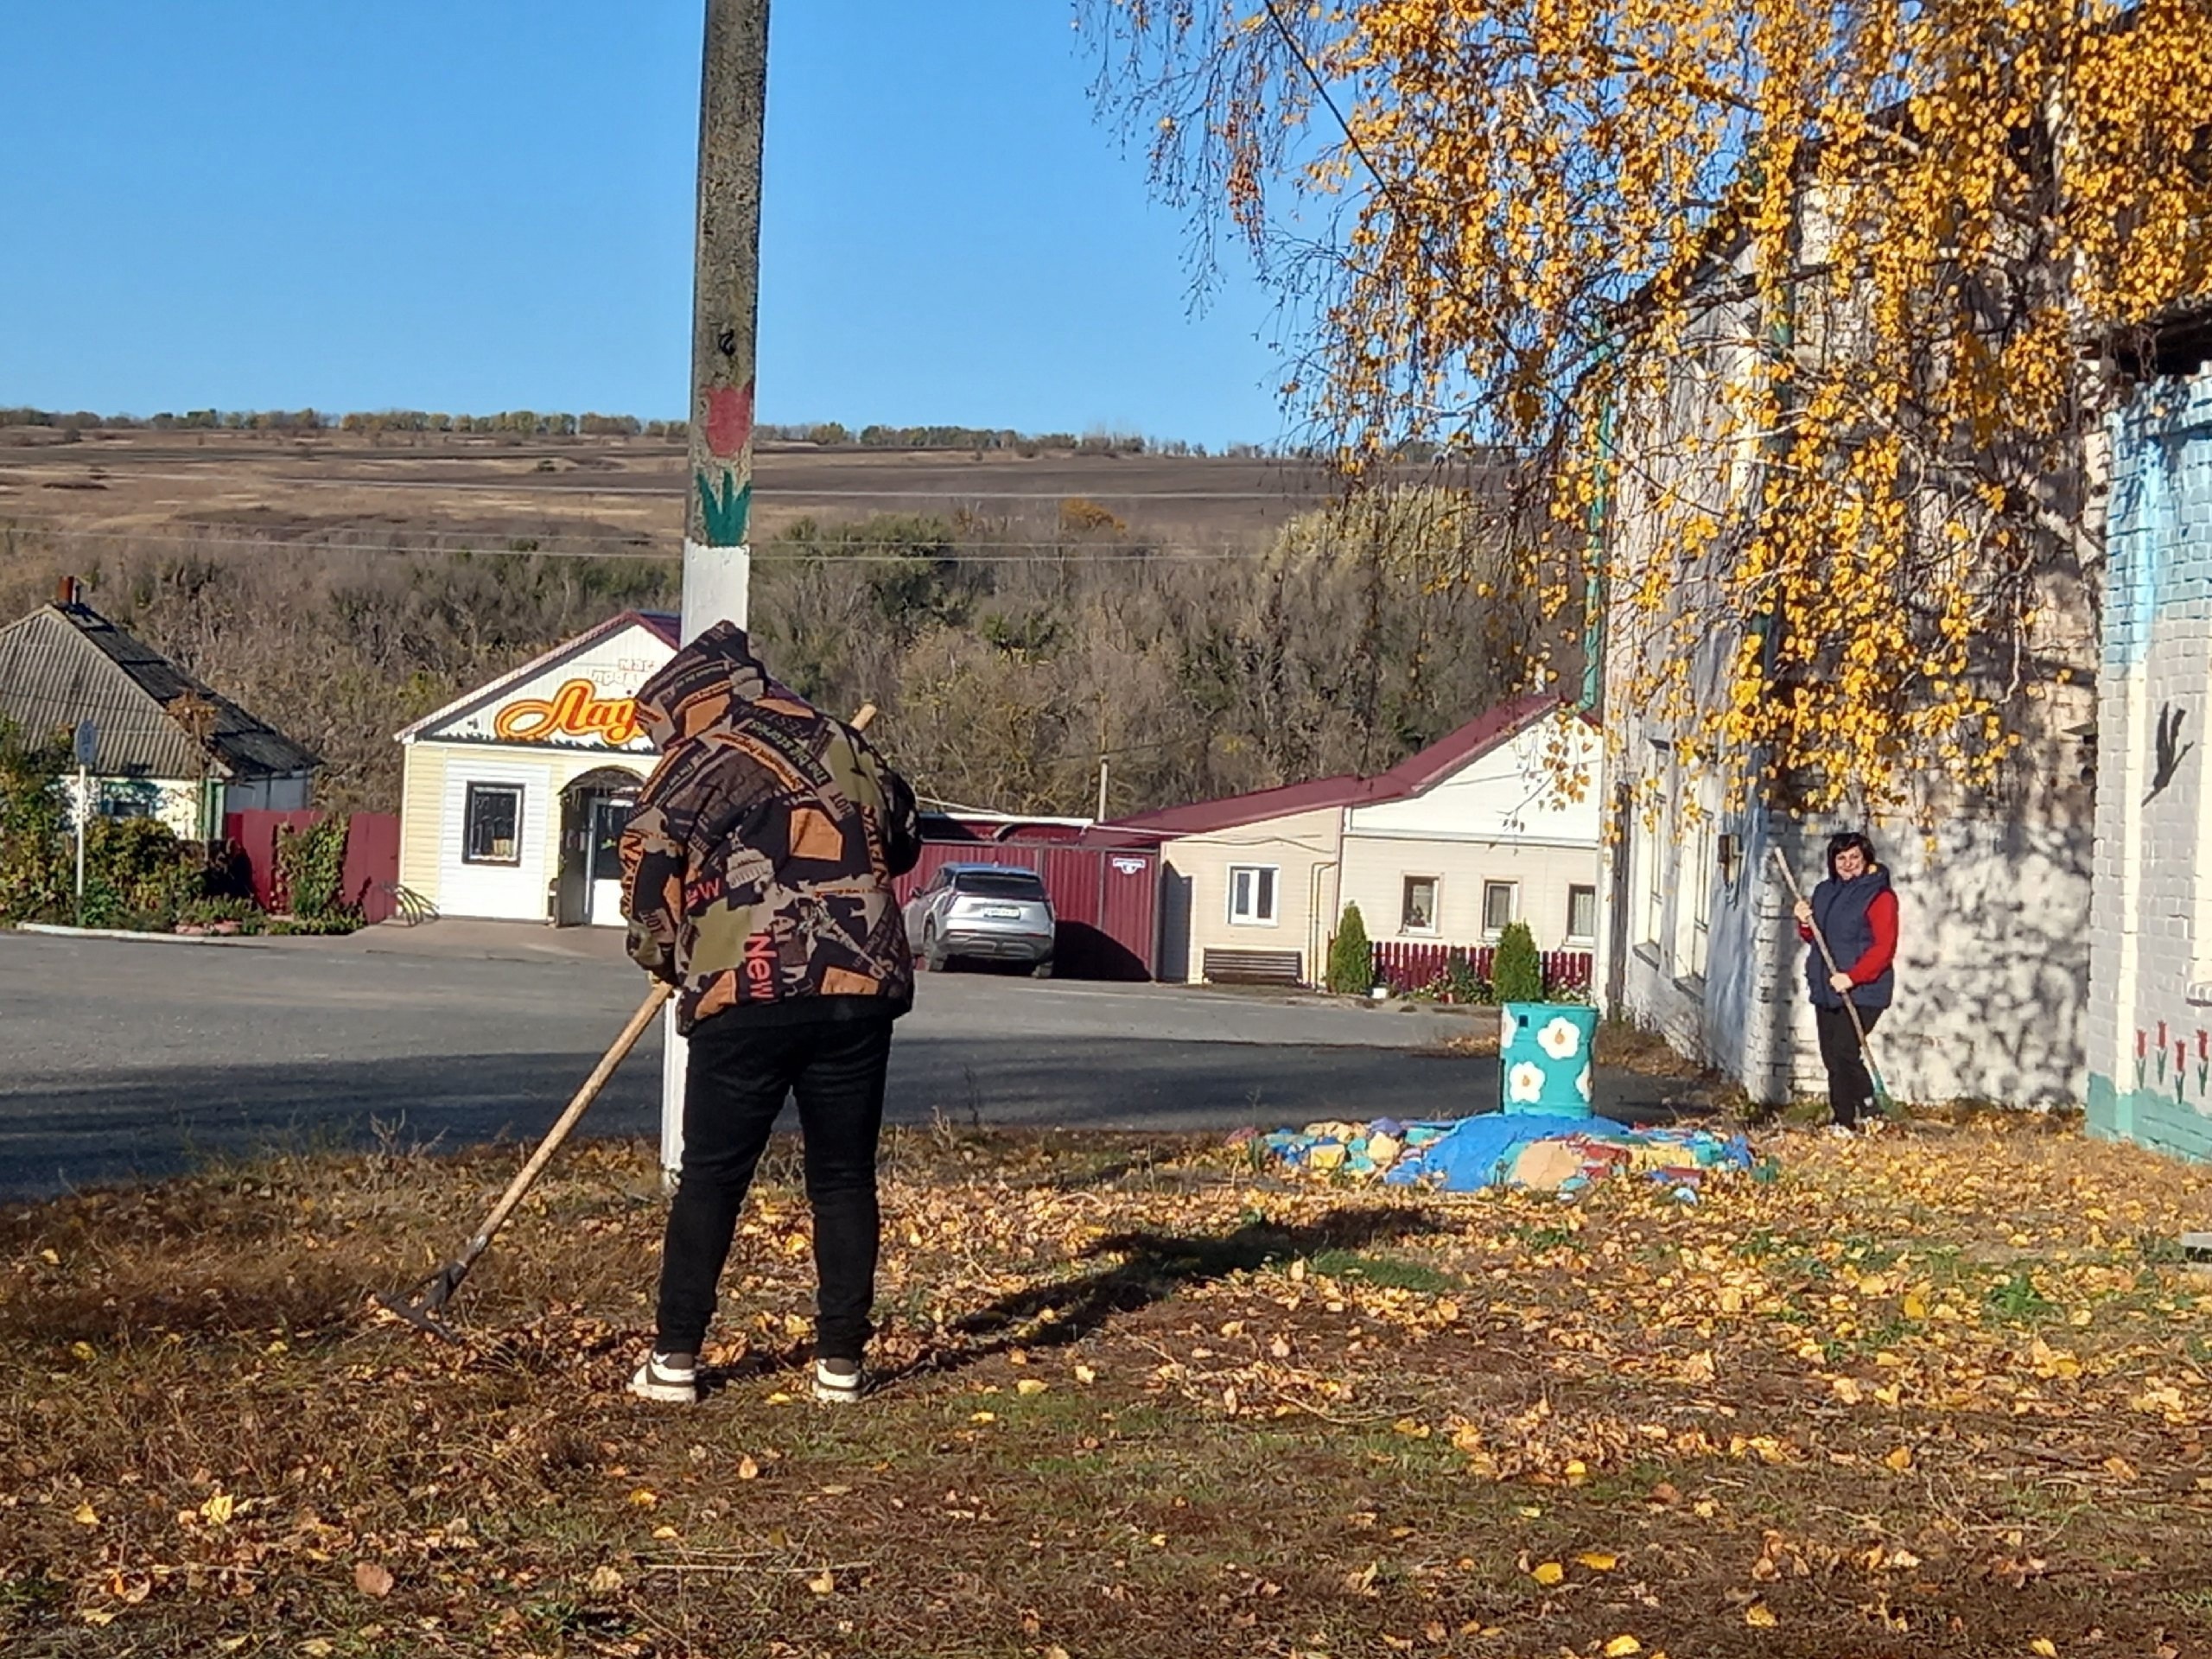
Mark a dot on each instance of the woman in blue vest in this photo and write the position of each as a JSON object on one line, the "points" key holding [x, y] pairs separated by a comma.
{"points": [[1856, 911]]}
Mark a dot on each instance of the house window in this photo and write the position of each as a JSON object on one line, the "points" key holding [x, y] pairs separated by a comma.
{"points": [[1498, 906], [1252, 894], [1417, 913], [1653, 812], [1650, 895], [492, 824], [1695, 921], [1582, 915]]}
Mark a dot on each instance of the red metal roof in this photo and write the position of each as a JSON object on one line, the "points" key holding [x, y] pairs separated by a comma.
{"points": [[665, 625], [1409, 776]]}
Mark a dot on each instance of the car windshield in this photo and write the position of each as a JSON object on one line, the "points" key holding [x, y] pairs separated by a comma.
{"points": [[1000, 884]]}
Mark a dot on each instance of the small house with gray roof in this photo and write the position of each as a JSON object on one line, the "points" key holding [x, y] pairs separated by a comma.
{"points": [[168, 746]]}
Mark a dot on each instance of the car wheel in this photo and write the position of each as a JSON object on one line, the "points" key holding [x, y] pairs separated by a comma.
{"points": [[931, 957]]}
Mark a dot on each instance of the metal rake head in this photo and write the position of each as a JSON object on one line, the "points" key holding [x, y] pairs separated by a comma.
{"points": [[421, 1308]]}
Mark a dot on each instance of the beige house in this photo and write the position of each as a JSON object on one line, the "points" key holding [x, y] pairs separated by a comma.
{"points": [[514, 796], [1445, 849]]}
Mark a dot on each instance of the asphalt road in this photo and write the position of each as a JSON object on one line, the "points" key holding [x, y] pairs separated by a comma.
{"points": [[127, 1059]]}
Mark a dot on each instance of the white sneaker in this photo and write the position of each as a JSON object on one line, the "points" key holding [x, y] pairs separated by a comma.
{"points": [[1842, 1132], [666, 1384], [838, 1382]]}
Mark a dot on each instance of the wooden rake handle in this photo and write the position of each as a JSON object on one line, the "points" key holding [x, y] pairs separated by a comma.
{"points": [[579, 1103]]}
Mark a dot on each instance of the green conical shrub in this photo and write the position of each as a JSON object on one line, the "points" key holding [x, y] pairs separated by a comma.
{"points": [[1352, 959], [1518, 973]]}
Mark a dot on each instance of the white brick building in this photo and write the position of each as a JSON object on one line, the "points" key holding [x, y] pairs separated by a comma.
{"points": [[1993, 891], [2150, 1018]]}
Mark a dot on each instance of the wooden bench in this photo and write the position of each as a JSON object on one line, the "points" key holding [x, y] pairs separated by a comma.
{"points": [[1252, 967]]}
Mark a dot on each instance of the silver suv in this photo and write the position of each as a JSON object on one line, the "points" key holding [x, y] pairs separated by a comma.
{"points": [[998, 911]]}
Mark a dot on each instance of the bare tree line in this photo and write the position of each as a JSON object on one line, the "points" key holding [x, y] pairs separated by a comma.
{"points": [[1005, 671]]}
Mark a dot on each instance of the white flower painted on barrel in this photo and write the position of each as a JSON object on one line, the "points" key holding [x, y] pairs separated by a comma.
{"points": [[1582, 1083], [1525, 1081], [1559, 1039]]}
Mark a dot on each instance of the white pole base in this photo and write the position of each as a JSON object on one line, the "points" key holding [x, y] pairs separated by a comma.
{"points": [[716, 584]]}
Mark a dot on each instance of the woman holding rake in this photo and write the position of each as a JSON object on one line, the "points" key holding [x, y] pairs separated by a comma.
{"points": [[1855, 911]]}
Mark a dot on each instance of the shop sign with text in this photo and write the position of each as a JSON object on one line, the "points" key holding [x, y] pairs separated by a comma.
{"points": [[588, 701]]}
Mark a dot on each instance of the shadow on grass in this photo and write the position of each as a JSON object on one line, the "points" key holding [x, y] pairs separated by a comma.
{"points": [[1153, 1266]]}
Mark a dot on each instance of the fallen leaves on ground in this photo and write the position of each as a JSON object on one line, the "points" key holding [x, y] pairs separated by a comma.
{"points": [[1948, 1386]]}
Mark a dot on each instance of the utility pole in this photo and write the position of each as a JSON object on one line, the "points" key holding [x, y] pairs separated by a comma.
{"points": [[725, 302], [725, 305]]}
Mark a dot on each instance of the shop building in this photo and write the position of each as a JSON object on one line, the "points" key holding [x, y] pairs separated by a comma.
{"points": [[514, 796]]}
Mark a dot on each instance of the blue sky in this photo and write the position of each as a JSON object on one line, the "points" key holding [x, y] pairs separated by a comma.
{"points": [[487, 204]]}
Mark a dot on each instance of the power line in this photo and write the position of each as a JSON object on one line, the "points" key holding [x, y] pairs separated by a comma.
{"points": [[768, 553], [530, 483]]}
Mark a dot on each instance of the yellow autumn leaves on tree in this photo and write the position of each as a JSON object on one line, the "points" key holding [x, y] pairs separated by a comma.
{"points": [[1801, 321]]}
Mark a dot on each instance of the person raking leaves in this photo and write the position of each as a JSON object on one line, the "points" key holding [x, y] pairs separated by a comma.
{"points": [[757, 877], [1855, 911]]}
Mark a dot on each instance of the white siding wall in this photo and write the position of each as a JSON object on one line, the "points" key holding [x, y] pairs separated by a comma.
{"points": [[1375, 867], [174, 801], [1302, 851], [1993, 961], [1510, 793], [433, 803], [1503, 817], [515, 891], [2151, 952], [421, 816]]}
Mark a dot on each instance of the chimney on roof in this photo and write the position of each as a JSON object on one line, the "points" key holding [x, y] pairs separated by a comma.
{"points": [[68, 594]]}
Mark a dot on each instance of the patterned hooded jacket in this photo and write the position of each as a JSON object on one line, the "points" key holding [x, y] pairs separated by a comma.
{"points": [[757, 867]]}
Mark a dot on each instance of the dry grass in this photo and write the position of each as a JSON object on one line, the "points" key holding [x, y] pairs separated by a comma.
{"points": [[1942, 1393]]}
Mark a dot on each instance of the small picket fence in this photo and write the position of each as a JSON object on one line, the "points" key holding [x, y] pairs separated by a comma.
{"points": [[1405, 966]]}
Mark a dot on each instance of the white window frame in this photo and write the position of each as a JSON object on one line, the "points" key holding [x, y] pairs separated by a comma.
{"points": [[1694, 902], [1654, 812], [468, 818], [1647, 895], [1590, 938], [1435, 905], [1273, 916], [1490, 934]]}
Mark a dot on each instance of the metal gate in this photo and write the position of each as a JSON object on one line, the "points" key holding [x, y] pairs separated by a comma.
{"points": [[1105, 898]]}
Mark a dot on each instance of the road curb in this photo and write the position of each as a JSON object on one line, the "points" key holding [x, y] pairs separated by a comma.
{"points": [[57, 930]]}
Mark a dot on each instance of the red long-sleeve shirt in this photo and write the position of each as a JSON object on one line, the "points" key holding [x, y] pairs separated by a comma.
{"points": [[1874, 960]]}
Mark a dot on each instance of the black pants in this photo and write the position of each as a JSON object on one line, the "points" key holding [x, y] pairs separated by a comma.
{"points": [[1851, 1090], [738, 1075]]}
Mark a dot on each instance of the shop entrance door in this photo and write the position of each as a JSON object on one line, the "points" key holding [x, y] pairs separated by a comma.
{"points": [[593, 809], [603, 903]]}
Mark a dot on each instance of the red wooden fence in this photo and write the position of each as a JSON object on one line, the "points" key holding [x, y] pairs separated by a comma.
{"points": [[371, 856], [1106, 900], [1405, 967]]}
